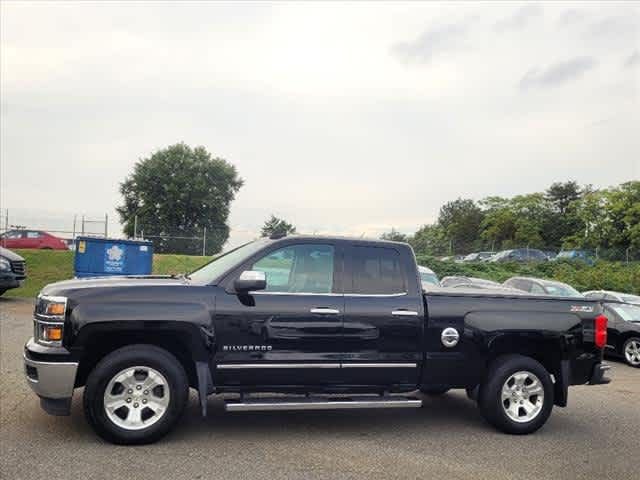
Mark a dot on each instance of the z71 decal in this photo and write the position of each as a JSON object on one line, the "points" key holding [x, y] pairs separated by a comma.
{"points": [[581, 308]]}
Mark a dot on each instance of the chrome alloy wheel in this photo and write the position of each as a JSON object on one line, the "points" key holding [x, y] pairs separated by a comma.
{"points": [[522, 397], [632, 352], [136, 398]]}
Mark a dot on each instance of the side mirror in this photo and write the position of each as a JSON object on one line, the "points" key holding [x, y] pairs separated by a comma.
{"points": [[250, 280]]}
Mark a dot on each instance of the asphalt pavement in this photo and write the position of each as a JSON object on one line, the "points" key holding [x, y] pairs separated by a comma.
{"points": [[596, 436]]}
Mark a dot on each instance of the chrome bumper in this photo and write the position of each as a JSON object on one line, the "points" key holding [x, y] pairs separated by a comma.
{"points": [[54, 380]]}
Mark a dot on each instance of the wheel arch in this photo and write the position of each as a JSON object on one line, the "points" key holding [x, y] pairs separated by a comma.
{"points": [[544, 349], [184, 341]]}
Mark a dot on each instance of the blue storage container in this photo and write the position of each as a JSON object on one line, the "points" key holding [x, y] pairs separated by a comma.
{"points": [[97, 257]]}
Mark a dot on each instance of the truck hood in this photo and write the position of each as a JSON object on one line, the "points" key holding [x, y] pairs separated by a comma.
{"points": [[93, 284], [9, 255]]}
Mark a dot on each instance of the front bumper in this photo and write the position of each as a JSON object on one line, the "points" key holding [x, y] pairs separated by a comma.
{"points": [[11, 281], [52, 381], [597, 376]]}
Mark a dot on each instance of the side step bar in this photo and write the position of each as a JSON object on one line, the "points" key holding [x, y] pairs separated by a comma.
{"points": [[319, 403]]}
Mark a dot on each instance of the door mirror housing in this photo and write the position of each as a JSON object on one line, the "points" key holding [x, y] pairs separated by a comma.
{"points": [[250, 280]]}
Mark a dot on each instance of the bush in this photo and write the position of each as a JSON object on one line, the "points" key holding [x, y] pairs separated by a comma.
{"points": [[618, 276]]}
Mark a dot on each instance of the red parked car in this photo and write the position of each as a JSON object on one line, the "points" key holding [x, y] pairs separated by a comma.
{"points": [[32, 239]]}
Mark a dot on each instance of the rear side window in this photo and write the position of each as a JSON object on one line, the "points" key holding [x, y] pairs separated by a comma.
{"points": [[377, 271]]}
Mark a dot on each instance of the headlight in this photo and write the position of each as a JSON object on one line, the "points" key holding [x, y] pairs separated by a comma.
{"points": [[5, 265], [49, 320]]}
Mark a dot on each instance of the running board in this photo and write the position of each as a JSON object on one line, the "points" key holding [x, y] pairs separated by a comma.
{"points": [[270, 404]]}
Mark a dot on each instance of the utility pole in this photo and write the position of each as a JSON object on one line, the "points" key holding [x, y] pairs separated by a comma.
{"points": [[204, 242], [106, 226]]}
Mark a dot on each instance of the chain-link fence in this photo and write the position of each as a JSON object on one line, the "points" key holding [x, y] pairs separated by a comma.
{"points": [[207, 241], [14, 227]]}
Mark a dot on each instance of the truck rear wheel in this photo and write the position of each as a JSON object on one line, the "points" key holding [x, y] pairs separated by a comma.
{"points": [[517, 397], [135, 394]]}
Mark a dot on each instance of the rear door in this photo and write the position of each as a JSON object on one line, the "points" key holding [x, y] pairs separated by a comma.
{"points": [[289, 334], [383, 317]]}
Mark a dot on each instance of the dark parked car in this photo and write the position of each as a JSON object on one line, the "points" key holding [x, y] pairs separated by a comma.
{"points": [[538, 286], [13, 270], [520, 255], [32, 239], [340, 321], [608, 295], [478, 256], [623, 332]]}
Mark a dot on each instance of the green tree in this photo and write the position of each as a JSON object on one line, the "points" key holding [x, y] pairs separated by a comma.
{"points": [[461, 220], [562, 195], [592, 210], [394, 236], [180, 191], [430, 240], [514, 222], [623, 208], [277, 226], [562, 220]]}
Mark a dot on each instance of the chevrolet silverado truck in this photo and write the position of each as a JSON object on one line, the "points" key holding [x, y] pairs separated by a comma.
{"points": [[300, 323]]}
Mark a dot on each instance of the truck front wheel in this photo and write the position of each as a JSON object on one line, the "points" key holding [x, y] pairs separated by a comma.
{"points": [[135, 394], [517, 397]]}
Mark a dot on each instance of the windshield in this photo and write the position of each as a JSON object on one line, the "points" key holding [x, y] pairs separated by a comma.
{"points": [[561, 290], [219, 265], [630, 313], [630, 298], [503, 254], [429, 278], [567, 254]]}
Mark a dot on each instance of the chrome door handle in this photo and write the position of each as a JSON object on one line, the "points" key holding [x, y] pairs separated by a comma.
{"points": [[325, 311], [404, 313]]}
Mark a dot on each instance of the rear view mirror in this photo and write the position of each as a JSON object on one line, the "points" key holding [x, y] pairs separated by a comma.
{"points": [[250, 280]]}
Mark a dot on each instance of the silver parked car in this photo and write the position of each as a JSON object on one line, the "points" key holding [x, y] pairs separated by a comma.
{"points": [[608, 295], [539, 286], [428, 276]]}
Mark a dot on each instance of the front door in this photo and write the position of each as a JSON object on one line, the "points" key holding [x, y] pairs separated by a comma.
{"points": [[290, 333], [383, 319]]}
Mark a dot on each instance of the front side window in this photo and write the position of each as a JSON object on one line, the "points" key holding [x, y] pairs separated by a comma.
{"points": [[304, 268], [537, 289], [377, 271]]}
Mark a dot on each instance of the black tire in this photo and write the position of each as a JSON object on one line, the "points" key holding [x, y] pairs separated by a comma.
{"points": [[490, 401], [434, 391], [130, 356], [472, 393], [624, 349]]}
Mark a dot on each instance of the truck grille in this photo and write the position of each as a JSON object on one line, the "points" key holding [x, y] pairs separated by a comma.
{"points": [[19, 267]]}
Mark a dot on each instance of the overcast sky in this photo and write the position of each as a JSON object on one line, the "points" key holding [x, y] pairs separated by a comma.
{"points": [[346, 118]]}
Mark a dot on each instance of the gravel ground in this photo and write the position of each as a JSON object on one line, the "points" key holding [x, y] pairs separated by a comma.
{"points": [[596, 436]]}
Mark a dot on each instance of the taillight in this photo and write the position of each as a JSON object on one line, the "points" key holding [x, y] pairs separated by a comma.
{"points": [[601, 331]]}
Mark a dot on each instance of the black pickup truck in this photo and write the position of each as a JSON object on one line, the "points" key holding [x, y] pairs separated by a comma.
{"points": [[323, 322]]}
